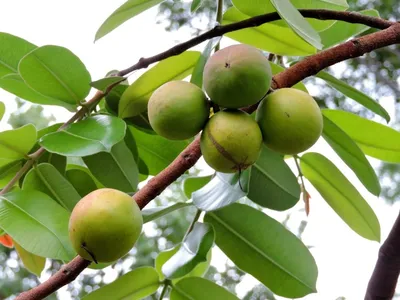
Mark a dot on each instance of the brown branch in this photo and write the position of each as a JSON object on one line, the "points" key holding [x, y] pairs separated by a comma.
{"points": [[382, 284], [287, 78], [321, 14]]}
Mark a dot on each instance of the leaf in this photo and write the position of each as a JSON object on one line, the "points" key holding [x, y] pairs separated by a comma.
{"points": [[126, 11], [14, 84], [74, 165], [268, 37], [195, 5], [276, 69], [87, 137], [46, 179], [2, 110], [193, 251], [352, 155], [56, 72], [151, 214], [374, 139], [296, 21], [81, 181], [197, 75], [33, 263], [354, 94], [341, 31], [272, 184], [265, 249], [222, 190], [192, 184], [341, 195], [139, 92], [112, 99], [16, 143], [195, 288], [46, 220], [12, 49], [8, 171], [116, 169], [104, 83], [134, 285], [156, 152]]}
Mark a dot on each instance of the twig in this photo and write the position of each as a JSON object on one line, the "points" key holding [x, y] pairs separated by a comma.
{"points": [[220, 6], [164, 291], [190, 228]]}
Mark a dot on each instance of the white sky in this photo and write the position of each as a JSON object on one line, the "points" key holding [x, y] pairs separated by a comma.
{"points": [[345, 260]]}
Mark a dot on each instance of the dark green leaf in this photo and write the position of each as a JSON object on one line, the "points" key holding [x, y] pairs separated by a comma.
{"points": [[56, 72], [113, 97], [104, 83], [87, 137], [192, 184], [152, 214], [264, 248], [352, 155], [42, 226], [81, 181], [8, 171], [341, 195]]}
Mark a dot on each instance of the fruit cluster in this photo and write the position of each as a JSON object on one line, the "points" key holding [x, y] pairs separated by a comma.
{"points": [[288, 120]]}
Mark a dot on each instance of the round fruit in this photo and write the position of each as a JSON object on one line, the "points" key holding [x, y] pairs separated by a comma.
{"points": [[231, 141], [237, 76], [290, 121], [178, 110], [105, 225]]}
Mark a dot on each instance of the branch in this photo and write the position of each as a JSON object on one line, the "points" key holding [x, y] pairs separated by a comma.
{"points": [[321, 14], [287, 78], [382, 284]]}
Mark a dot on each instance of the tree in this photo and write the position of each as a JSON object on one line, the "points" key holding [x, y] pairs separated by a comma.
{"points": [[108, 143]]}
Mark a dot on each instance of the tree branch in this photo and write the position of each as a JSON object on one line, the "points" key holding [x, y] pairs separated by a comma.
{"points": [[287, 78], [321, 14]]}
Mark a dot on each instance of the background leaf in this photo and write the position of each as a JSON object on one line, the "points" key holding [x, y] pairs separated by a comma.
{"points": [[104, 83], [192, 184], [341, 195], [264, 248], [151, 214], [2, 110], [81, 181], [33, 263], [195, 5]]}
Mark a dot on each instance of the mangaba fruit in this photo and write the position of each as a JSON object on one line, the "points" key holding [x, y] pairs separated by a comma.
{"points": [[290, 121], [178, 110], [237, 76], [104, 225], [231, 141]]}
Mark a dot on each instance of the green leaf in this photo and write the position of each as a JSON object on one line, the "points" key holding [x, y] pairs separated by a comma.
{"points": [[268, 37], [192, 184], [374, 139], [342, 31], [197, 75], [104, 83], [139, 92], [134, 285], [141, 122], [56, 72], [276, 69], [157, 152], [46, 179], [126, 11], [296, 21], [222, 190], [264, 248], [82, 167], [112, 99], [87, 137], [354, 94], [195, 288], [12, 49], [14, 84], [37, 223], [195, 5], [193, 251], [16, 143], [115, 169], [33, 263], [8, 171], [81, 181], [352, 155], [2, 110], [272, 183], [152, 214], [341, 195]]}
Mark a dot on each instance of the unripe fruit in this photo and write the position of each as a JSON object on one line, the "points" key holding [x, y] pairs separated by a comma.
{"points": [[231, 141], [178, 110], [290, 121], [104, 225], [237, 76]]}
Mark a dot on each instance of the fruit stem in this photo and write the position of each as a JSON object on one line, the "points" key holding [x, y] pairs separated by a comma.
{"points": [[83, 246], [302, 186], [220, 6], [196, 217]]}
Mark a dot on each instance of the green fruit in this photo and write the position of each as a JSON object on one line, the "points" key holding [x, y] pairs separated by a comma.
{"points": [[178, 110], [290, 121], [237, 76], [105, 225], [231, 141]]}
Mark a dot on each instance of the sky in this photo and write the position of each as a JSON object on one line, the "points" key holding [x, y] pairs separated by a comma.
{"points": [[345, 260]]}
